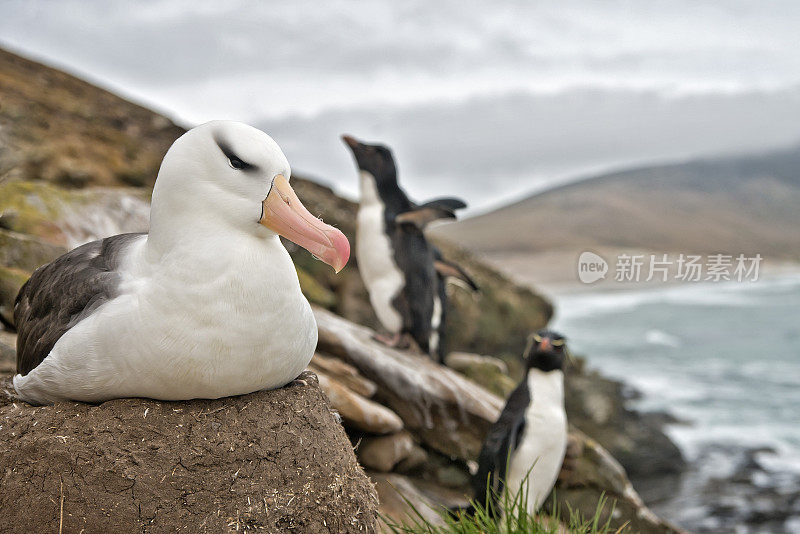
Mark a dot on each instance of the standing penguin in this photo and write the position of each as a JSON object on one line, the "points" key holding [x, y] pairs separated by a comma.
{"points": [[525, 448], [404, 274]]}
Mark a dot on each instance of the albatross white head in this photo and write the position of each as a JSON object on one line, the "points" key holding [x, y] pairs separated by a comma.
{"points": [[225, 175]]}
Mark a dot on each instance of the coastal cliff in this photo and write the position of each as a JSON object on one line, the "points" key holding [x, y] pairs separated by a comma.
{"points": [[78, 163]]}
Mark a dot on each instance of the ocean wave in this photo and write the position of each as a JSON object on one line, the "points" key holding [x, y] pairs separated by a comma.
{"points": [[658, 337], [727, 294], [781, 452]]}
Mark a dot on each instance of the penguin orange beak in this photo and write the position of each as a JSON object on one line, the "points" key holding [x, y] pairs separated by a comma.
{"points": [[545, 344], [283, 213]]}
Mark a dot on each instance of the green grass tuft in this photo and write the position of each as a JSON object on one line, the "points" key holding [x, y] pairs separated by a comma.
{"points": [[513, 518]]}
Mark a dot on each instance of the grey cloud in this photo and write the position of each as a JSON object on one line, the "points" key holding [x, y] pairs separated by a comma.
{"points": [[510, 142]]}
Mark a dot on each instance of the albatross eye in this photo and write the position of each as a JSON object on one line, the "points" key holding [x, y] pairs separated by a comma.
{"points": [[236, 163]]}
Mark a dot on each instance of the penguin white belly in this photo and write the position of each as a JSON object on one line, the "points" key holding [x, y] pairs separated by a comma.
{"points": [[180, 334], [436, 322], [544, 440], [382, 277]]}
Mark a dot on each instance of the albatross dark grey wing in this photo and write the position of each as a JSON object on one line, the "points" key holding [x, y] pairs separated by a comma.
{"points": [[498, 447], [58, 295]]}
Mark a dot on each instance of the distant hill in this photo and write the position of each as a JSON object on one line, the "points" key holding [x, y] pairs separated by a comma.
{"points": [[748, 204]]}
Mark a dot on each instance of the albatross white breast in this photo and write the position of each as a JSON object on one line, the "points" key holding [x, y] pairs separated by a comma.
{"points": [[206, 305]]}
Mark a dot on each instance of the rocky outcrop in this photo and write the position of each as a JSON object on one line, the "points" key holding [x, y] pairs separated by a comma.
{"points": [[591, 473], [272, 461], [446, 417], [444, 410]]}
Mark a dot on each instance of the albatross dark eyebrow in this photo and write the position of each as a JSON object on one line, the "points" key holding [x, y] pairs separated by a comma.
{"points": [[232, 157]]}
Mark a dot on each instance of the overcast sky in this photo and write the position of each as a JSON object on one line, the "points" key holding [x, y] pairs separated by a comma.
{"points": [[487, 100]]}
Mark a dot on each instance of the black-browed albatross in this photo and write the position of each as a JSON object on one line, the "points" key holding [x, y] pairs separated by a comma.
{"points": [[205, 305]]}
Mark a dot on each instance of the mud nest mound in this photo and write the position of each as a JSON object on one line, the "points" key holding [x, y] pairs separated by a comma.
{"points": [[272, 461]]}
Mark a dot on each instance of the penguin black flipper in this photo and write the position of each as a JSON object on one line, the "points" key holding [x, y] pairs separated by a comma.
{"points": [[500, 443], [448, 269], [448, 203], [423, 214], [422, 217]]}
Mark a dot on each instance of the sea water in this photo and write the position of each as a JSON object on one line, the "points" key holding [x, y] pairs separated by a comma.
{"points": [[725, 359]]}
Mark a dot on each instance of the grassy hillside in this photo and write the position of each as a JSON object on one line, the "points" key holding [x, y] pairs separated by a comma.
{"points": [[729, 205], [62, 130]]}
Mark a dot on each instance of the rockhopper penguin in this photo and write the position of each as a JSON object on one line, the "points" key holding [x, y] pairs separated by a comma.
{"points": [[526, 446], [404, 274]]}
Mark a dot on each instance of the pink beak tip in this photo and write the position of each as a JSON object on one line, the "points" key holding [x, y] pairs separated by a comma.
{"points": [[341, 246]]}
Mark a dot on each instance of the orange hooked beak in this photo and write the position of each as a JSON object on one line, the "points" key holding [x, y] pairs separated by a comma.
{"points": [[284, 214], [545, 344]]}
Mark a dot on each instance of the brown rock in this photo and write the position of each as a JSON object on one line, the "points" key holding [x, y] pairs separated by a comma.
{"points": [[344, 373], [358, 412], [397, 494], [489, 372], [415, 460], [272, 461], [461, 361], [385, 452]]}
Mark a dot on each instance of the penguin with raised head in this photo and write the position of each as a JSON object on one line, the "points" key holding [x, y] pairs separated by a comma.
{"points": [[524, 450], [404, 274]]}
